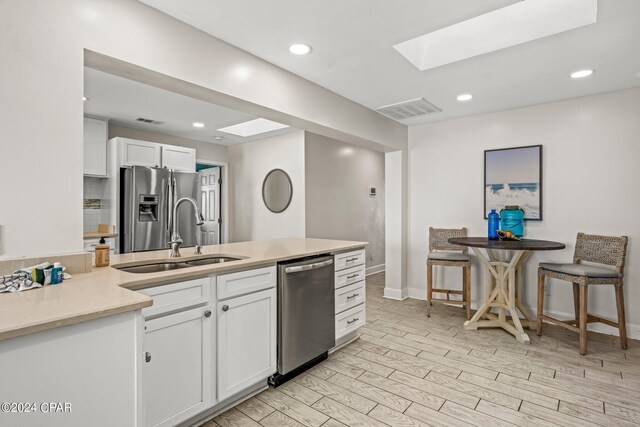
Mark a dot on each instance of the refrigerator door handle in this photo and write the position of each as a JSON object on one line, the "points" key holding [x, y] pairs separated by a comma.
{"points": [[168, 199], [170, 202]]}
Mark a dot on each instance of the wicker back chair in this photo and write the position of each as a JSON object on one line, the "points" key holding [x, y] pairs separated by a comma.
{"points": [[605, 250], [439, 239], [590, 249], [443, 253]]}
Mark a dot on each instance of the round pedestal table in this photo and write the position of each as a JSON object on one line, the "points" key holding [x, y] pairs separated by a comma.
{"points": [[502, 285]]}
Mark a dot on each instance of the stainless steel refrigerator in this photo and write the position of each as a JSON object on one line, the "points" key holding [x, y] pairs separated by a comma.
{"points": [[147, 196]]}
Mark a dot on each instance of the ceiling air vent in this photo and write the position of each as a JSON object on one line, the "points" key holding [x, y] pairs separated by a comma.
{"points": [[150, 121], [407, 109]]}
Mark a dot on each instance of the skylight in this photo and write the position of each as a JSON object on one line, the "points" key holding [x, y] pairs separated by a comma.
{"points": [[509, 26], [253, 127]]}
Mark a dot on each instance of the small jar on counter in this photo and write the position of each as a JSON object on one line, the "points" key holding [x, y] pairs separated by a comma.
{"points": [[102, 253]]}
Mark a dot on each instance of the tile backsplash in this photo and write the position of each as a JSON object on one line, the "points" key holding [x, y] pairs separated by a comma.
{"points": [[95, 206]]}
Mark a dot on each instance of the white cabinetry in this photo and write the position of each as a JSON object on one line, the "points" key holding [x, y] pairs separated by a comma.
{"points": [[133, 152], [140, 153], [350, 294], [247, 328], [177, 373], [198, 351], [95, 147], [178, 370], [179, 158]]}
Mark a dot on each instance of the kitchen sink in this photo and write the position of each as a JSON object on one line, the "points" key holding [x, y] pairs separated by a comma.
{"points": [[154, 268], [210, 260], [158, 267]]}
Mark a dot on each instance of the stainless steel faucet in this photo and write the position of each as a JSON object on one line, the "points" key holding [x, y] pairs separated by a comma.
{"points": [[176, 240]]}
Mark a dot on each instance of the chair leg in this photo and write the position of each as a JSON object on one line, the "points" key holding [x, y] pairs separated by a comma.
{"points": [[584, 292], [429, 288], [576, 300], [467, 289], [540, 303], [622, 323]]}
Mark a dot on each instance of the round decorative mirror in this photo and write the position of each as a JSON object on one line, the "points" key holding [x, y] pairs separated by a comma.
{"points": [[277, 190]]}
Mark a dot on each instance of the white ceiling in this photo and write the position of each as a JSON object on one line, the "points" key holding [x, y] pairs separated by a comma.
{"points": [[353, 54], [122, 100]]}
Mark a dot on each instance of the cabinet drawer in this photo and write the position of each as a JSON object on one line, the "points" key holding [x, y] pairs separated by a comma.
{"points": [[349, 276], [177, 296], [245, 282], [350, 320], [349, 259], [350, 296]]}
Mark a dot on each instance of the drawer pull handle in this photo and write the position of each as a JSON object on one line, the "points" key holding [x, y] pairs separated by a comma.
{"points": [[225, 307], [352, 296], [147, 357], [349, 322], [207, 313], [353, 276], [355, 258]]}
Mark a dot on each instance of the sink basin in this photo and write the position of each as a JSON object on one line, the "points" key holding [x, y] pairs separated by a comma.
{"points": [[154, 268], [173, 265], [210, 260]]}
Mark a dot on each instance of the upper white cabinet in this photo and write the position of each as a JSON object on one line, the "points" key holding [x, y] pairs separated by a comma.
{"points": [[133, 152], [95, 147], [179, 158], [140, 153]]}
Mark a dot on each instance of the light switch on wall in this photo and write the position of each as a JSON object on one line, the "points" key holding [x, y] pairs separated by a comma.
{"points": [[372, 191]]}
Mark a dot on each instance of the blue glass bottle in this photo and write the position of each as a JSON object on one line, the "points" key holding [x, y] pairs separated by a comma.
{"points": [[512, 219], [494, 224]]}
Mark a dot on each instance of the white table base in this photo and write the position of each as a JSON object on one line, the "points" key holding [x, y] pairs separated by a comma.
{"points": [[502, 284]]}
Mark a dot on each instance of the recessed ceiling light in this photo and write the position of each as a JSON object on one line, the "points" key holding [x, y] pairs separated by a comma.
{"points": [[300, 49], [464, 97], [218, 138], [253, 127], [580, 74], [198, 124], [84, 98]]}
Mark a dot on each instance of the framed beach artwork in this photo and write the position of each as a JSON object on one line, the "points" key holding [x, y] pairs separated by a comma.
{"points": [[513, 176]]}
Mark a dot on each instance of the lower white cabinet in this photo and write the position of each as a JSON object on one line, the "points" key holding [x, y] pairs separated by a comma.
{"points": [[178, 370], [350, 283], [247, 327]]}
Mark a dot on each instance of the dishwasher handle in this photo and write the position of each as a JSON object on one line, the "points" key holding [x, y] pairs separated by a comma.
{"points": [[306, 267]]}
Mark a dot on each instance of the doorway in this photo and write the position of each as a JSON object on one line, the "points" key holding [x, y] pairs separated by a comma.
{"points": [[211, 232]]}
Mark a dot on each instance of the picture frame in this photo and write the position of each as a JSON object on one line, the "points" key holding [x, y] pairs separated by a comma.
{"points": [[513, 176]]}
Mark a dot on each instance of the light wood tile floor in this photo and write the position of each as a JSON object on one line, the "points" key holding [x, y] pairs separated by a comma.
{"points": [[410, 370]]}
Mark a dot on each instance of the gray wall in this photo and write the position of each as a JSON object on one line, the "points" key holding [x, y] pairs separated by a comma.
{"points": [[338, 205], [110, 35], [249, 163], [204, 150], [590, 183]]}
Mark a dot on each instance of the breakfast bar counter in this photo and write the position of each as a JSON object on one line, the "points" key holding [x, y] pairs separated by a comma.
{"points": [[107, 291]]}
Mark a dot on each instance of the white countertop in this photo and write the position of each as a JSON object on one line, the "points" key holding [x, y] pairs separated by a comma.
{"points": [[106, 291]]}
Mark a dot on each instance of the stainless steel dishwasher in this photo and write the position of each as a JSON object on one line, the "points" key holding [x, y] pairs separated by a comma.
{"points": [[306, 314]]}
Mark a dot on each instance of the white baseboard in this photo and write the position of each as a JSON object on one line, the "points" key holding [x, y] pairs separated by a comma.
{"points": [[374, 269], [396, 294], [417, 293], [633, 331]]}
